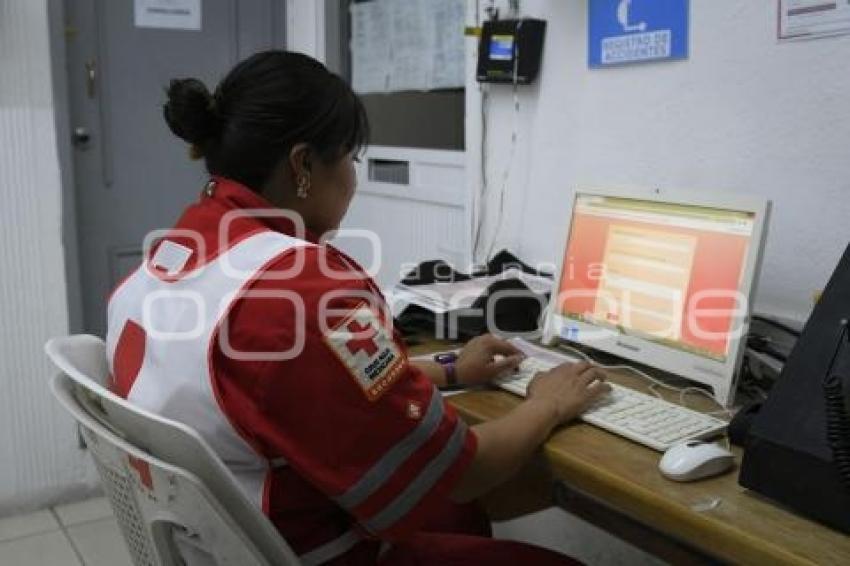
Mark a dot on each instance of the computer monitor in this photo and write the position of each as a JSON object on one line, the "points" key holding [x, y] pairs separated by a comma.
{"points": [[661, 278]]}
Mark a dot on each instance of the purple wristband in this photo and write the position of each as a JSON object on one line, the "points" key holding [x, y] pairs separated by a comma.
{"points": [[447, 360], [451, 375]]}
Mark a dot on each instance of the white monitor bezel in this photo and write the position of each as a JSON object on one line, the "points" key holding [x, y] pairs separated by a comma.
{"points": [[721, 376]]}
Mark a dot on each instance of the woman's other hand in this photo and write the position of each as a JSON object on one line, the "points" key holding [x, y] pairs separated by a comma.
{"points": [[485, 358]]}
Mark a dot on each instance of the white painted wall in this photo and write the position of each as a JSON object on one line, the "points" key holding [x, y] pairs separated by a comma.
{"points": [[408, 224], [745, 114], [39, 459], [305, 27]]}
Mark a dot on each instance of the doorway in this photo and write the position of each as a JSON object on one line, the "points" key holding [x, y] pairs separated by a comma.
{"points": [[131, 175]]}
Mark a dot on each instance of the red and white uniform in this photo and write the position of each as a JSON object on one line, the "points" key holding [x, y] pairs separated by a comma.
{"points": [[277, 350]]}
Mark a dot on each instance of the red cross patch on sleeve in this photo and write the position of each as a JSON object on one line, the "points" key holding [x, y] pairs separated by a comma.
{"points": [[366, 348]]}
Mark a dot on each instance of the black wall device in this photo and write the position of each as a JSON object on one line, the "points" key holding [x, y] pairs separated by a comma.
{"points": [[508, 47], [797, 451]]}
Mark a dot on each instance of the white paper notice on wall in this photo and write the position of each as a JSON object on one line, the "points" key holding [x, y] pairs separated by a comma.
{"points": [[370, 48], [407, 45], [800, 19], [168, 14]]}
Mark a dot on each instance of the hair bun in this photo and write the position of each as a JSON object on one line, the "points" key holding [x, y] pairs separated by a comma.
{"points": [[190, 111]]}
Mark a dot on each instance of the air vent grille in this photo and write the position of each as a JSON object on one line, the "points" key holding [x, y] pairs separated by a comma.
{"points": [[389, 171]]}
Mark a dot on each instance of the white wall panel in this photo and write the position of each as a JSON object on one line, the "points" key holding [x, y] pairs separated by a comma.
{"points": [[425, 219], [409, 232], [39, 458], [744, 114]]}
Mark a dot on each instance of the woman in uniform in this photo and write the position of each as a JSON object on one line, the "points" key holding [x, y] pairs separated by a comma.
{"points": [[277, 347]]}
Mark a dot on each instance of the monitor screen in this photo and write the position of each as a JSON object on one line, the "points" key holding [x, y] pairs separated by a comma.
{"points": [[664, 272], [502, 47]]}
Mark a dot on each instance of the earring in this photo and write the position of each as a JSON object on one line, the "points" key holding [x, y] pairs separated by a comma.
{"points": [[303, 186]]}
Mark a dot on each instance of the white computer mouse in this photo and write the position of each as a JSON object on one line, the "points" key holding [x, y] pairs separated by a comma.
{"points": [[694, 460]]}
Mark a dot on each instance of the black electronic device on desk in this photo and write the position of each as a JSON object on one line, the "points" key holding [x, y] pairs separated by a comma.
{"points": [[798, 447], [512, 302], [510, 51]]}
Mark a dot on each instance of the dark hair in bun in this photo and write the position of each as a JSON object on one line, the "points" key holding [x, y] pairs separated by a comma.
{"points": [[190, 111], [261, 109]]}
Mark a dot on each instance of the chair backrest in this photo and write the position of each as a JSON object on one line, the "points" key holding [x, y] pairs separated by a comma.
{"points": [[157, 472]]}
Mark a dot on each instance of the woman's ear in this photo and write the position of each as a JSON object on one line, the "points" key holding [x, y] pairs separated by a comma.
{"points": [[300, 160]]}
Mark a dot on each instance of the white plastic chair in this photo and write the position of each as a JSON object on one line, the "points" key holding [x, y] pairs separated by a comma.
{"points": [[174, 499]]}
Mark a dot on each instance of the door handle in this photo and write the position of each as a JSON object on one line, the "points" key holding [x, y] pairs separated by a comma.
{"points": [[81, 137], [91, 78]]}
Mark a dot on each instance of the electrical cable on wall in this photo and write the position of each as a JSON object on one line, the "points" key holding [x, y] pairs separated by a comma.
{"points": [[479, 208], [512, 153], [492, 14], [480, 204], [509, 53], [513, 8]]}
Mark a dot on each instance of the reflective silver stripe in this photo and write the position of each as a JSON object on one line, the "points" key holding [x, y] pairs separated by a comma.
{"points": [[423, 483], [330, 550], [396, 456]]}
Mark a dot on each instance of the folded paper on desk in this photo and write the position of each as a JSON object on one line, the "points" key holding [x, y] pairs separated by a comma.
{"points": [[507, 296], [441, 298]]}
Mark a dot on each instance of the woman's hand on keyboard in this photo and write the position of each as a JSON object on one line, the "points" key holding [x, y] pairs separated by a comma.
{"points": [[570, 388], [485, 358]]}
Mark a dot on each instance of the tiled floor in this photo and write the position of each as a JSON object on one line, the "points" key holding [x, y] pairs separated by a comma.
{"points": [[79, 534], [86, 534]]}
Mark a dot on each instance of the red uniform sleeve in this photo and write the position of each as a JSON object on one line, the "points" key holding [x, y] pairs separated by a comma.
{"points": [[347, 410]]}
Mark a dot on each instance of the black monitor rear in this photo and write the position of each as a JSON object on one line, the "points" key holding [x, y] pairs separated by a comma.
{"points": [[799, 444]]}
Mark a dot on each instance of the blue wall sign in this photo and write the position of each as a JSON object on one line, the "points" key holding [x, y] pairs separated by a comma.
{"points": [[634, 31]]}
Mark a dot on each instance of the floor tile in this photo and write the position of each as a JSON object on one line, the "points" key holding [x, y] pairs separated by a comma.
{"points": [[50, 549], [100, 543], [25, 525], [567, 534], [84, 511]]}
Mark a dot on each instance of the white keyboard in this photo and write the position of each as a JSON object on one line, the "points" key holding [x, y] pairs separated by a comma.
{"points": [[642, 418]]}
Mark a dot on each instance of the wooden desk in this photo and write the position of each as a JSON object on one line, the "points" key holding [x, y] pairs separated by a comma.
{"points": [[615, 484]]}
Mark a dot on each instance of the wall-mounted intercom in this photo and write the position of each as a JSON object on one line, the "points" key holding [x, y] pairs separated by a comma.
{"points": [[510, 51]]}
